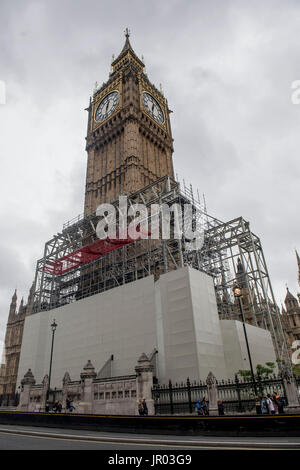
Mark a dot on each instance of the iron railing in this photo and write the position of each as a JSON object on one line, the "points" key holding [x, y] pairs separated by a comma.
{"points": [[237, 395]]}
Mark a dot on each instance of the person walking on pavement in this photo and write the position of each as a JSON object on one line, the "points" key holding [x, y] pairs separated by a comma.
{"points": [[140, 408], [270, 404], [263, 405], [258, 405], [220, 408], [280, 403], [145, 408], [275, 403], [69, 405]]}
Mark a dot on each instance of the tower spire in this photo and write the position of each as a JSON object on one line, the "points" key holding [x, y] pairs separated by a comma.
{"points": [[127, 45], [298, 261], [127, 49], [13, 304], [21, 306]]}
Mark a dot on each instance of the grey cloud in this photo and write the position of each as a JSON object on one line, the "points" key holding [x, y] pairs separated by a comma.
{"points": [[226, 69]]}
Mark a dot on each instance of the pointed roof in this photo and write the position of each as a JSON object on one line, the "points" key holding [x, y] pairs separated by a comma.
{"points": [[21, 306], [127, 49], [289, 296], [241, 274], [127, 44], [88, 371], [14, 297], [13, 304]]}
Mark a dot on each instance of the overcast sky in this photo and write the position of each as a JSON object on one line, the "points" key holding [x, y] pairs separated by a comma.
{"points": [[226, 68]]}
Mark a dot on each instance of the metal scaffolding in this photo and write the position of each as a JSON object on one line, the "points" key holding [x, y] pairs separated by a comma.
{"points": [[230, 252]]}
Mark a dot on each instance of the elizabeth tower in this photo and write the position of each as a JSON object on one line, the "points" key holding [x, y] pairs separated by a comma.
{"points": [[129, 141]]}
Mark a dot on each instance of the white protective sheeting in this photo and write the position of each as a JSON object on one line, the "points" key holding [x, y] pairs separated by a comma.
{"points": [[177, 315]]}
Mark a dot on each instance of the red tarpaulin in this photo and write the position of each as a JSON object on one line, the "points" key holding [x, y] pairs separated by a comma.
{"points": [[85, 255]]}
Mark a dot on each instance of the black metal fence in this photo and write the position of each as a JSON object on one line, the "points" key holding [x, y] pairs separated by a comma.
{"points": [[237, 396], [11, 400]]}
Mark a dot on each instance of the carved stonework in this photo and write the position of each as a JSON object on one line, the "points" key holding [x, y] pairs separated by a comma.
{"points": [[88, 371], [211, 380], [144, 364], [45, 381], [212, 391], [66, 379], [129, 148], [28, 378]]}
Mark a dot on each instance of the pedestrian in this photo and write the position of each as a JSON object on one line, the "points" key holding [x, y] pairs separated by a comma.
{"points": [[205, 406], [270, 404], [145, 408], [280, 403], [69, 405], [199, 407], [59, 407], [220, 408], [140, 408], [257, 405], [47, 407], [263, 405], [275, 403], [55, 406]]}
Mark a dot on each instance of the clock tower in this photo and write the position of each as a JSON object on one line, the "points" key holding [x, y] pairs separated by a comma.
{"points": [[129, 141]]}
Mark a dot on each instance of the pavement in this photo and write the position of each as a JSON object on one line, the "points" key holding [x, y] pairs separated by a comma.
{"points": [[25, 437]]}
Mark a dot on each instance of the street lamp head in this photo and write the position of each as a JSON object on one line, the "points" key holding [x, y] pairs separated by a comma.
{"points": [[237, 290], [53, 326]]}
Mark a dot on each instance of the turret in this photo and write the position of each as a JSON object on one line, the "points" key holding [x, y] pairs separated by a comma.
{"points": [[21, 307], [30, 300], [13, 305], [290, 301], [241, 275]]}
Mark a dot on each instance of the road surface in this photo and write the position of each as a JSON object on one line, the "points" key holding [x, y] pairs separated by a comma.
{"points": [[42, 438]]}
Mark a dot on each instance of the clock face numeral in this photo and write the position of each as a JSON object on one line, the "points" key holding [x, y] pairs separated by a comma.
{"points": [[107, 106], [153, 108]]}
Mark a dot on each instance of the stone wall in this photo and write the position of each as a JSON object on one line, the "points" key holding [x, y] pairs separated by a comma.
{"points": [[90, 395]]}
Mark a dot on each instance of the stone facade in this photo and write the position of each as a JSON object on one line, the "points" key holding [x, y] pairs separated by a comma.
{"points": [[291, 319], [89, 395], [291, 314], [12, 345], [129, 149], [175, 316]]}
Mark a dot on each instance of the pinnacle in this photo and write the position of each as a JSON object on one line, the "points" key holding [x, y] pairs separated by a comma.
{"points": [[127, 48], [289, 295]]}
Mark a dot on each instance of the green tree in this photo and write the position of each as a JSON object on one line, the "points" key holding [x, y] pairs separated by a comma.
{"points": [[262, 371], [296, 370]]}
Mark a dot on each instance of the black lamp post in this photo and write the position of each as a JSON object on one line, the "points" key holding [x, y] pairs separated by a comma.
{"points": [[238, 295], [53, 328]]}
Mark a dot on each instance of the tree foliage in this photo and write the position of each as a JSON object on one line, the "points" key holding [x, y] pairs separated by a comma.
{"points": [[262, 371]]}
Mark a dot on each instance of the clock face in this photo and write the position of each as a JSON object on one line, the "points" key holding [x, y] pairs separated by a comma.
{"points": [[153, 108], [107, 106]]}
